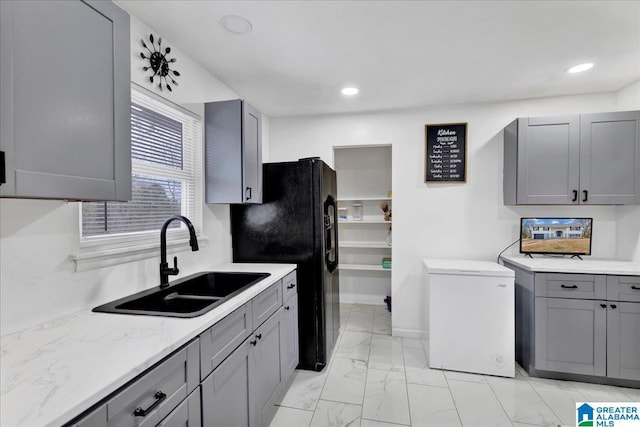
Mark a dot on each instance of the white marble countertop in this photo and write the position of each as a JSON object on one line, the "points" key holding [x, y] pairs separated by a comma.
{"points": [[574, 265], [52, 372]]}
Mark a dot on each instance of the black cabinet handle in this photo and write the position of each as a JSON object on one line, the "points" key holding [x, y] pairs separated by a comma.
{"points": [[586, 195], [635, 288], [575, 196], [287, 308], [603, 305], [291, 286], [247, 191], [3, 174], [139, 412], [259, 336], [563, 286], [253, 343], [614, 306]]}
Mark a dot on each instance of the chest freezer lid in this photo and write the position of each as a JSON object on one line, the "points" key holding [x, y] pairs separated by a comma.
{"points": [[462, 267]]}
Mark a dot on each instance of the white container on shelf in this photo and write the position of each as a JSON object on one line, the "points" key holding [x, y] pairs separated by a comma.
{"points": [[343, 213], [357, 211]]}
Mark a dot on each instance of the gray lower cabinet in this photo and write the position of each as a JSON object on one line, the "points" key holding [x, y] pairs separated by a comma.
{"points": [[227, 399], [233, 152], [570, 336], [65, 94], [290, 342], [267, 374], [578, 325], [244, 383], [623, 327], [570, 160], [186, 414]]}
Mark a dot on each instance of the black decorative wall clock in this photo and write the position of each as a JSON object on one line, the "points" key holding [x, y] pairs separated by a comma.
{"points": [[159, 63]]}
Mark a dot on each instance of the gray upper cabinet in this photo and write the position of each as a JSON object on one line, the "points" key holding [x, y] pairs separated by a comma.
{"points": [[233, 153], [581, 159], [65, 100]]}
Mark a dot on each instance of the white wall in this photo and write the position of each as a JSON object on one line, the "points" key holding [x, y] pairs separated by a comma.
{"points": [[39, 283], [628, 217], [462, 221]]}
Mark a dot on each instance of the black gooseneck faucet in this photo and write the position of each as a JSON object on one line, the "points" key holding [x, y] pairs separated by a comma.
{"points": [[165, 270]]}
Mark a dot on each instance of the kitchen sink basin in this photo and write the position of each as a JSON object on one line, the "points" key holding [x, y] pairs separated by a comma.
{"points": [[187, 297]]}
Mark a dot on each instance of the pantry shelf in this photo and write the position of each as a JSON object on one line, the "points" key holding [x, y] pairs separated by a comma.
{"points": [[363, 267], [370, 245]]}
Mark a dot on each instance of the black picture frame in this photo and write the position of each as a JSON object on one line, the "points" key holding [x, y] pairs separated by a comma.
{"points": [[445, 152]]}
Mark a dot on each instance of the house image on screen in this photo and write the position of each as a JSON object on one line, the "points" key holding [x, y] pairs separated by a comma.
{"points": [[559, 231]]}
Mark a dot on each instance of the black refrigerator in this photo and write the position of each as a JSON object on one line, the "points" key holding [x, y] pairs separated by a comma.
{"points": [[297, 223]]}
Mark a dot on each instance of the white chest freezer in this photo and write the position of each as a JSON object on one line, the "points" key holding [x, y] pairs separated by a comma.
{"points": [[470, 321]]}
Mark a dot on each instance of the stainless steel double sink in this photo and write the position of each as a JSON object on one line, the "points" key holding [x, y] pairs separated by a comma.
{"points": [[190, 296]]}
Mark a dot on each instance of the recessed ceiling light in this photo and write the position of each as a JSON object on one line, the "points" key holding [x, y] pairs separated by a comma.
{"points": [[350, 91], [580, 68], [236, 24]]}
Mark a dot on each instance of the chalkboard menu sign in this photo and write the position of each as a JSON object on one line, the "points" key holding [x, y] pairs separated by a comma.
{"points": [[446, 152]]}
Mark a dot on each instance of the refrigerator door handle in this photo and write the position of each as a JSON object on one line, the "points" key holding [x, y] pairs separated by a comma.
{"points": [[331, 233]]}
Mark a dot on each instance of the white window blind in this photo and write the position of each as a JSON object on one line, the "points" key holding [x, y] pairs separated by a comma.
{"points": [[166, 147]]}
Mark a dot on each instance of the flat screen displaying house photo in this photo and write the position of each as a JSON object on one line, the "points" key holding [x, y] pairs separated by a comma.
{"points": [[567, 236]]}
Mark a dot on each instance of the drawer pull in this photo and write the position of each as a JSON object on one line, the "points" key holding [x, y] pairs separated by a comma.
{"points": [[603, 305], [253, 343], [614, 306], [139, 412], [293, 285], [287, 308], [563, 286], [259, 336], [635, 288]]}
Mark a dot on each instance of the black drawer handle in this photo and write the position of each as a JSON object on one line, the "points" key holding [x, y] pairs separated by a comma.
{"points": [[614, 306], [575, 196], [635, 288], [287, 308], [603, 305], [253, 343], [139, 412], [259, 336], [291, 286], [586, 195], [563, 286]]}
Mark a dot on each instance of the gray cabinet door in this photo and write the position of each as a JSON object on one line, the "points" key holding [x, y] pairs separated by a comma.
{"points": [[186, 414], [548, 160], [290, 351], [623, 340], [227, 397], [267, 374], [252, 153], [570, 336], [233, 152], [65, 100], [610, 158]]}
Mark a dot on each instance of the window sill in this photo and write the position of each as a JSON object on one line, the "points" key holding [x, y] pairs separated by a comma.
{"points": [[94, 258]]}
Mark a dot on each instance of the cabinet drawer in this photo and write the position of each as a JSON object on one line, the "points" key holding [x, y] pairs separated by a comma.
{"points": [[580, 286], [187, 414], [623, 288], [222, 338], [266, 303], [289, 286], [158, 392]]}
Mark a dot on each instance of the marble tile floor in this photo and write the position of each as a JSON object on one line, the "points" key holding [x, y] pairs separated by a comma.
{"points": [[376, 380]]}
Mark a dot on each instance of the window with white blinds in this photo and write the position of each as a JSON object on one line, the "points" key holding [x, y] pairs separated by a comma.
{"points": [[166, 147]]}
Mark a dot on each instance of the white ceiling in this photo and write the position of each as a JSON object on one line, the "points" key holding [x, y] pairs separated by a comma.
{"points": [[402, 54]]}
